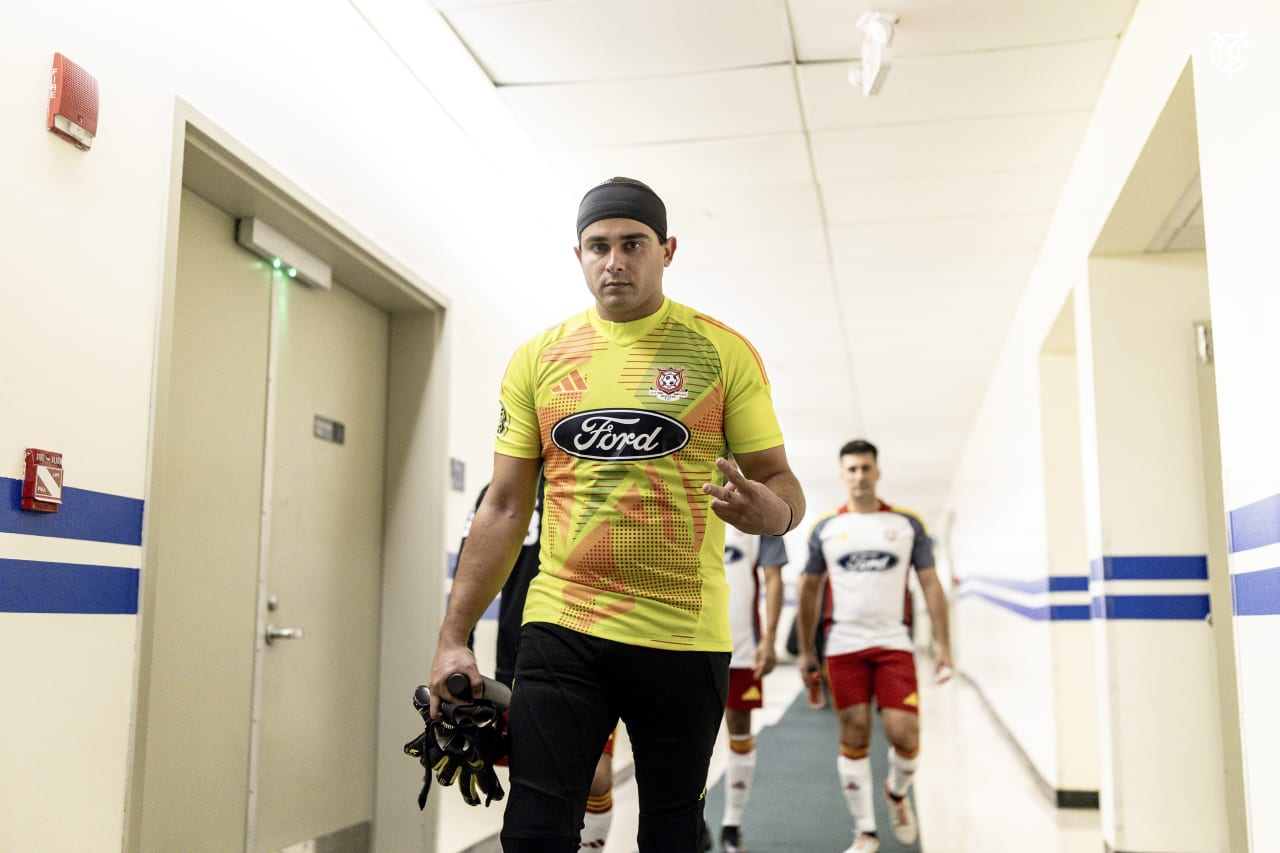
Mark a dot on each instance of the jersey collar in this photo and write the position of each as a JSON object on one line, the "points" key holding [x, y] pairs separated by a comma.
{"points": [[626, 334]]}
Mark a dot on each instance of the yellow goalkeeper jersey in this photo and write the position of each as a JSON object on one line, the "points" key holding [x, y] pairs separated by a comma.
{"points": [[629, 419]]}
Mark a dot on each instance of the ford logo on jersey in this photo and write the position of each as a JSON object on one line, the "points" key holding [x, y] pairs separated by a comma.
{"points": [[868, 561], [619, 434], [732, 554]]}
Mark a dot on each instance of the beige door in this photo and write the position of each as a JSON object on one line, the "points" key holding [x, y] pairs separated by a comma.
{"points": [[249, 745], [316, 738], [204, 522]]}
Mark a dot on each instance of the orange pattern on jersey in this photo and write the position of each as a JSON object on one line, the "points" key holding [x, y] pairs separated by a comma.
{"points": [[575, 348], [558, 503], [593, 569], [594, 566], [705, 421], [759, 361]]}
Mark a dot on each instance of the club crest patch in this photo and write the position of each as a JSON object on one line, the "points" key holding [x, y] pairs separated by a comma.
{"points": [[503, 419], [668, 384]]}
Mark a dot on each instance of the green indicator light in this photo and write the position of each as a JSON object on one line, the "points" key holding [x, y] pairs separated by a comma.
{"points": [[275, 263], [293, 272]]}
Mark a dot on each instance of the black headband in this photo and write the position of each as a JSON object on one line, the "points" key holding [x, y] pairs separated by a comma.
{"points": [[623, 198]]}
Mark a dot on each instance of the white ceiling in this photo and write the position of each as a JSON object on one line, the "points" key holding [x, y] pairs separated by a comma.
{"points": [[872, 248]]}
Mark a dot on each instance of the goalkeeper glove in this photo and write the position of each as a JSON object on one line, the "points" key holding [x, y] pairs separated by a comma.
{"points": [[460, 747]]}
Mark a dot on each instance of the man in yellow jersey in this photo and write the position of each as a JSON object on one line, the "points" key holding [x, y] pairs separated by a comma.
{"points": [[632, 407]]}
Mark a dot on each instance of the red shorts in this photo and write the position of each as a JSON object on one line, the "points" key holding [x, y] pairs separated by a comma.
{"points": [[890, 674], [746, 692]]}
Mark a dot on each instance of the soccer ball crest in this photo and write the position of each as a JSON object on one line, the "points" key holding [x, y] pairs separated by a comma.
{"points": [[668, 384]]}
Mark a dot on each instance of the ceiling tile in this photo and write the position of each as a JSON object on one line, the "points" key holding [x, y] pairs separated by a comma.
{"points": [[557, 41], [732, 210], [985, 235], [664, 109], [1055, 78], [827, 29], [949, 147], [923, 270], [742, 163], [943, 196], [751, 253]]}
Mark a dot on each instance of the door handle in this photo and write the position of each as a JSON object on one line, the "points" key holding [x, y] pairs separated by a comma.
{"points": [[274, 633]]}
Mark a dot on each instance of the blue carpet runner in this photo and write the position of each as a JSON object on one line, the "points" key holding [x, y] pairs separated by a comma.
{"points": [[796, 805]]}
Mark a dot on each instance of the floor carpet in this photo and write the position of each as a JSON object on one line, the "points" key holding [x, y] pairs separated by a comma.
{"points": [[796, 805]]}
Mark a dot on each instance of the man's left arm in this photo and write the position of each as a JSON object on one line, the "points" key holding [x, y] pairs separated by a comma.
{"points": [[766, 652], [763, 498], [935, 599]]}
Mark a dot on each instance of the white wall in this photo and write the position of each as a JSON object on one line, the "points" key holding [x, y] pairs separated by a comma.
{"points": [[317, 93], [997, 549], [1075, 699], [998, 493], [1135, 329], [1237, 137], [1241, 181]]}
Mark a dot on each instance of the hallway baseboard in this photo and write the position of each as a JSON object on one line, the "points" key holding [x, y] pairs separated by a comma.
{"points": [[1061, 797]]}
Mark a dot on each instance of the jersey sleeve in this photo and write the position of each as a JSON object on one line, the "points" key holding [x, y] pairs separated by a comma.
{"points": [[816, 564], [518, 434], [922, 549], [750, 423], [773, 551]]}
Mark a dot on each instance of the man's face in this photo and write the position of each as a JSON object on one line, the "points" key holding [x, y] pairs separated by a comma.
{"points": [[860, 475], [622, 262]]}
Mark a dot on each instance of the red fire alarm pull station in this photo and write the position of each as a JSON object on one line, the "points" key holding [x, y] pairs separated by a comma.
{"points": [[73, 103], [42, 485]]}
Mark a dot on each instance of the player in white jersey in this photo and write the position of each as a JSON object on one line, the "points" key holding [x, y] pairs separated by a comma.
{"points": [[746, 557], [864, 550]]}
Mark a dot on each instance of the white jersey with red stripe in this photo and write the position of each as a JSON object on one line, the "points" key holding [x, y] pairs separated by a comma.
{"points": [[744, 555], [865, 556]]}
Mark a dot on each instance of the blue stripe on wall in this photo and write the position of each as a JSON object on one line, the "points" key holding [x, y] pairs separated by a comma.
{"points": [[1186, 607], [1054, 583], [1068, 583], [1256, 593], [94, 516], [1255, 525], [1150, 568], [1039, 613], [27, 586]]}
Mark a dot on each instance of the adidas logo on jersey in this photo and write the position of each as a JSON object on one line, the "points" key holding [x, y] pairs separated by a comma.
{"points": [[571, 384]]}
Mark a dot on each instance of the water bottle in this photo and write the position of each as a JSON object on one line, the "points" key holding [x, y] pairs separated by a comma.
{"points": [[813, 688]]}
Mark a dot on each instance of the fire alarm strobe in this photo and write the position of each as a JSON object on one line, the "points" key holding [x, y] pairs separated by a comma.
{"points": [[73, 103], [42, 485]]}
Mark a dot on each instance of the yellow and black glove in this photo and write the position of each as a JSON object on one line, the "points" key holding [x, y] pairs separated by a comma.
{"points": [[460, 747]]}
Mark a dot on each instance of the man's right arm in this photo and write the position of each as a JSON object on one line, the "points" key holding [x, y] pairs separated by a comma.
{"points": [[493, 544], [807, 620]]}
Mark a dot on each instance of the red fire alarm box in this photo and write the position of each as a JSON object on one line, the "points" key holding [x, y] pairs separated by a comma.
{"points": [[73, 103], [42, 484]]}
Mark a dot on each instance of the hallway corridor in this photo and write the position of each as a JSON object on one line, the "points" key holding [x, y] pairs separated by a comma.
{"points": [[975, 793]]}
